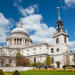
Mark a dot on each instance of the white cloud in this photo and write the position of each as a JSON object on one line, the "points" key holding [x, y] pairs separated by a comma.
{"points": [[3, 20], [72, 45], [31, 22], [16, 2], [20, 0], [38, 30], [41, 31], [70, 3], [4, 28], [28, 11]]}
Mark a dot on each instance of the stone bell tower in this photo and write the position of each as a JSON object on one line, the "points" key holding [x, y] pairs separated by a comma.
{"points": [[60, 39]]}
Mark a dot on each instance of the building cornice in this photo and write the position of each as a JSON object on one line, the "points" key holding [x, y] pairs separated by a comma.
{"points": [[60, 33]]}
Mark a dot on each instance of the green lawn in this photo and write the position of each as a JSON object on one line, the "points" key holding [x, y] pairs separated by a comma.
{"points": [[44, 73]]}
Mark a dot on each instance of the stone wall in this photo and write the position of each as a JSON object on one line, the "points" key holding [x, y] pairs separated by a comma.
{"points": [[16, 68]]}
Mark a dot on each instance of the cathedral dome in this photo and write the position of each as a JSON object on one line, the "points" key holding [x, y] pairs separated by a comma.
{"points": [[18, 30], [19, 37]]}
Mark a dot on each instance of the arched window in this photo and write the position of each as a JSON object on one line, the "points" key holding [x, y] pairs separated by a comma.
{"points": [[52, 51], [57, 40], [57, 49]]}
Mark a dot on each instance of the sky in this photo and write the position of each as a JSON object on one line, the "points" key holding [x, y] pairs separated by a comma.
{"points": [[38, 18]]}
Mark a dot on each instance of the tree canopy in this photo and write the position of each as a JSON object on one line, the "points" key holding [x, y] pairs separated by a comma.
{"points": [[48, 60]]}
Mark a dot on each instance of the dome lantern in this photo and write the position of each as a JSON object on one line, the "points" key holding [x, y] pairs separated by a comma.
{"points": [[20, 23]]}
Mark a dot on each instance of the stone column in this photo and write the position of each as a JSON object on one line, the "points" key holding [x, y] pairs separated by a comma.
{"points": [[14, 41], [11, 41], [24, 42], [19, 42]]}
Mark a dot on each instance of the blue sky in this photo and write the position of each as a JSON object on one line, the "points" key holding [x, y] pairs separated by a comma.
{"points": [[38, 17]]}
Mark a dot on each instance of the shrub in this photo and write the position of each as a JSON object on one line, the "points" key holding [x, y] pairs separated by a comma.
{"points": [[33, 64], [37, 65], [1, 72], [69, 66], [16, 72]]}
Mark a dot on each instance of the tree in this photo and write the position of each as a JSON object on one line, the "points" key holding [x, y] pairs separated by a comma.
{"points": [[38, 65], [48, 61], [74, 59], [21, 60], [1, 72], [16, 72], [19, 55]]}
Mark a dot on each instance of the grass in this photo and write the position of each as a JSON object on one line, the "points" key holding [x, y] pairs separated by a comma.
{"points": [[43, 73]]}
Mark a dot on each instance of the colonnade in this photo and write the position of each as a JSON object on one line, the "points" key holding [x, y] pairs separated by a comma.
{"points": [[18, 41]]}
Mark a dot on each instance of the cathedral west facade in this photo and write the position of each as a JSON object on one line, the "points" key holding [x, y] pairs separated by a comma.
{"points": [[20, 41]]}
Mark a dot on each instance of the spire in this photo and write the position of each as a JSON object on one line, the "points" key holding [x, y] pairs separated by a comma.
{"points": [[20, 24], [59, 18], [59, 22]]}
